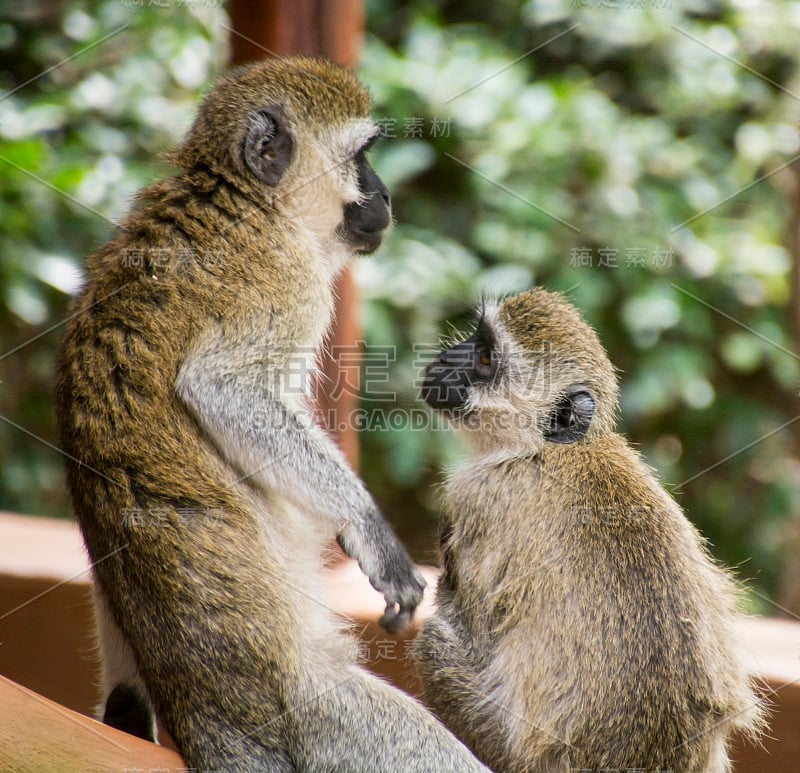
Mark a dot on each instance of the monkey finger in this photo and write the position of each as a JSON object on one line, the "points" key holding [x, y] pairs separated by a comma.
{"points": [[404, 616], [389, 619], [411, 595], [396, 618]]}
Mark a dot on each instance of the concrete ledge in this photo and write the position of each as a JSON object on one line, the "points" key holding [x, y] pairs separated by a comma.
{"points": [[46, 646]]}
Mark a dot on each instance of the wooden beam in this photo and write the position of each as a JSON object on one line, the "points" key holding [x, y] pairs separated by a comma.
{"points": [[309, 27], [39, 736], [334, 30], [43, 555]]}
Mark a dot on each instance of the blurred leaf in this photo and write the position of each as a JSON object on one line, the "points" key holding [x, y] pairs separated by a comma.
{"points": [[628, 140]]}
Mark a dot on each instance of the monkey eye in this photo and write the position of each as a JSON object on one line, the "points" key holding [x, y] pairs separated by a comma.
{"points": [[485, 362]]}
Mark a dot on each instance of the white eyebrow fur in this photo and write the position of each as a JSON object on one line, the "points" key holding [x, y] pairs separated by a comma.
{"points": [[356, 134]]}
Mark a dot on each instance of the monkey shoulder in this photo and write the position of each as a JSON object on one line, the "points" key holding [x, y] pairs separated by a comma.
{"points": [[605, 487], [592, 509], [634, 547], [188, 263]]}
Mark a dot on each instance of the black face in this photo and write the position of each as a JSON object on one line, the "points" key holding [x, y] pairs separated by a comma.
{"points": [[267, 152], [449, 377], [476, 361], [365, 221]]}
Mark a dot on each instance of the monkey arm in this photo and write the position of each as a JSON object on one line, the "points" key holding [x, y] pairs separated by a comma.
{"points": [[277, 448]]}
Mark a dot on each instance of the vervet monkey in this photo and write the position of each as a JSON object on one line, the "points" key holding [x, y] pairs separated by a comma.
{"points": [[203, 488], [580, 622]]}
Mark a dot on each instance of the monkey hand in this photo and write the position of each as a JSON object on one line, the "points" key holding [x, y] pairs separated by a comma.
{"points": [[384, 560]]}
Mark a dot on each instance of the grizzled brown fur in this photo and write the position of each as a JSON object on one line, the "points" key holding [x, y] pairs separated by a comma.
{"points": [[202, 490], [580, 622]]}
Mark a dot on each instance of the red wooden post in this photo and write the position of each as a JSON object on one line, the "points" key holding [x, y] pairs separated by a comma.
{"points": [[314, 27]]}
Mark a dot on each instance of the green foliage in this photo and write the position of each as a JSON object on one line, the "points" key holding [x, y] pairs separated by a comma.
{"points": [[637, 158], [90, 92], [651, 140]]}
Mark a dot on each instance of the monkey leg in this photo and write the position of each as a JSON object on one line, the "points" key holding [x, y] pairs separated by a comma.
{"points": [[448, 672], [126, 704], [353, 722], [219, 747]]}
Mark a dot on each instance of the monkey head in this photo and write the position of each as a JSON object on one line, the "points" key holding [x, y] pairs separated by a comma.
{"points": [[532, 372], [268, 129]]}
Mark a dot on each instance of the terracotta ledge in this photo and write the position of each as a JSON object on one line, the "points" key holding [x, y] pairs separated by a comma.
{"points": [[46, 644]]}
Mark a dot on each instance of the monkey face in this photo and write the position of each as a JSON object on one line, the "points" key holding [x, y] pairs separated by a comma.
{"points": [[268, 151], [455, 371], [469, 382], [293, 135], [366, 219], [532, 372]]}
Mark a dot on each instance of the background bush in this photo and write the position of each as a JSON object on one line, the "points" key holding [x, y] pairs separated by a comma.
{"points": [[636, 154]]}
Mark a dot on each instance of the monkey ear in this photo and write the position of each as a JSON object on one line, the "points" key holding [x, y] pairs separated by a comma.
{"points": [[571, 417], [268, 145]]}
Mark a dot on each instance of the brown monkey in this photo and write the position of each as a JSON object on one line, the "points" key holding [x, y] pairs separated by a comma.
{"points": [[204, 491], [580, 622]]}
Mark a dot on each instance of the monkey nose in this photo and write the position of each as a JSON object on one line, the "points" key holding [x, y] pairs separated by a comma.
{"points": [[445, 387]]}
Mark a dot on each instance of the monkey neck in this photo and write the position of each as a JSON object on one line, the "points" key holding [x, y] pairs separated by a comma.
{"points": [[500, 446], [230, 196], [198, 207], [200, 211]]}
